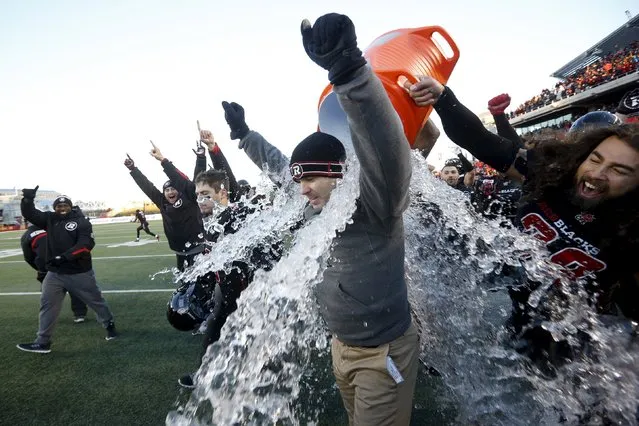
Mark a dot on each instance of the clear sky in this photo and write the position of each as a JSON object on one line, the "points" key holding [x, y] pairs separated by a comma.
{"points": [[83, 83]]}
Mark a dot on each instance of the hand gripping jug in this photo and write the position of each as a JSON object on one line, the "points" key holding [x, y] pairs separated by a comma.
{"points": [[396, 56]]}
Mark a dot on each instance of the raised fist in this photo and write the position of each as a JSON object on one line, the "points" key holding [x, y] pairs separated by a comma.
{"points": [[498, 104], [30, 193], [234, 115], [129, 163], [332, 44], [206, 137]]}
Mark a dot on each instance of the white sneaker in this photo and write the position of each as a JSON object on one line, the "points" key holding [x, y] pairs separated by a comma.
{"points": [[137, 240]]}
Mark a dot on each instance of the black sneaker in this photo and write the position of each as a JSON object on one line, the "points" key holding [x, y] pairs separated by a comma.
{"points": [[187, 381], [35, 347], [111, 333]]}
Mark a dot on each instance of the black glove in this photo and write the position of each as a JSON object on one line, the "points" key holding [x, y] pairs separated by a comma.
{"points": [[57, 261], [234, 115], [467, 166], [40, 276], [332, 44], [199, 149], [129, 163], [30, 194]]}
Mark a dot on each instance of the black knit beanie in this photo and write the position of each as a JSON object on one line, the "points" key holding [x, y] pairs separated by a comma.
{"points": [[62, 199], [320, 154]]}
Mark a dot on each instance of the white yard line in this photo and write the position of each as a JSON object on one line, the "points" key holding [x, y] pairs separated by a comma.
{"points": [[151, 290], [105, 257]]}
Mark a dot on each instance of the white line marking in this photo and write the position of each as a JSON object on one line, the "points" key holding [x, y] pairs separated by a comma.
{"points": [[10, 253], [152, 290], [106, 257]]}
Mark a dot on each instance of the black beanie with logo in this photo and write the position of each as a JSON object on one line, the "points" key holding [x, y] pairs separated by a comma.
{"points": [[319, 154]]}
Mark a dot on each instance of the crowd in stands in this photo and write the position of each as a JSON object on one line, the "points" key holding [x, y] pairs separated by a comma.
{"points": [[608, 68]]}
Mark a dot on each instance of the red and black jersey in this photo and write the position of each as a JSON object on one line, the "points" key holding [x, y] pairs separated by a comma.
{"points": [[581, 242], [495, 196]]}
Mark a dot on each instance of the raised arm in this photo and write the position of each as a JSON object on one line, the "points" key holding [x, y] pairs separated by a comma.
{"points": [[179, 180], [29, 211], [200, 161], [258, 149], [497, 106], [466, 130], [376, 130], [219, 163], [145, 185]]}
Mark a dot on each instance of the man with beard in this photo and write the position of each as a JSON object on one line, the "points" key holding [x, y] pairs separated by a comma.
{"points": [[69, 266], [581, 197], [181, 216]]}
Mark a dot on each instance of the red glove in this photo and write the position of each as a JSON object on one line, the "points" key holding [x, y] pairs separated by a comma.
{"points": [[498, 104]]}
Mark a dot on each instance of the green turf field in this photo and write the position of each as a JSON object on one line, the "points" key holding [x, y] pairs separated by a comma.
{"points": [[132, 380], [86, 380]]}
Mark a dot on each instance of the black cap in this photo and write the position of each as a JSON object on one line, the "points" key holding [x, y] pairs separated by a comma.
{"points": [[62, 199], [320, 154], [167, 184]]}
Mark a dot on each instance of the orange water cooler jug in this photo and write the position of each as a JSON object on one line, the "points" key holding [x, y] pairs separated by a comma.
{"points": [[396, 56]]}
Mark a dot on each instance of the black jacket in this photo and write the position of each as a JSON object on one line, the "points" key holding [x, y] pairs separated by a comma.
{"points": [[34, 247], [69, 236], [182, 220]]}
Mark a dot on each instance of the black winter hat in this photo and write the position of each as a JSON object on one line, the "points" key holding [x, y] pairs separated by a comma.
{"points": [[167, 184], [62, 199], [320, 154]]}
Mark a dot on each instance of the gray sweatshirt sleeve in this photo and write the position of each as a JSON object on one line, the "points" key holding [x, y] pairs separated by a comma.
{"points": [[265, 155], [379, 142]]}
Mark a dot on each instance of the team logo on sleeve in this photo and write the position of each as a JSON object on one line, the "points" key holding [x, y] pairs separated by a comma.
{"points": [[178, 204], [71, 226]]}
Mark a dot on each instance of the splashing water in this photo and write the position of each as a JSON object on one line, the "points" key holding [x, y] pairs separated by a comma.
{"points": [[458, 268], [252, 374]]}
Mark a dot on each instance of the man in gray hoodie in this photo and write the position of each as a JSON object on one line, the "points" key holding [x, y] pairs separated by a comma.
{"points": [[363, 296]]}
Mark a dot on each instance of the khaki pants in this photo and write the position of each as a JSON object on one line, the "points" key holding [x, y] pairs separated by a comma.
{"points": [[371, 396]]}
